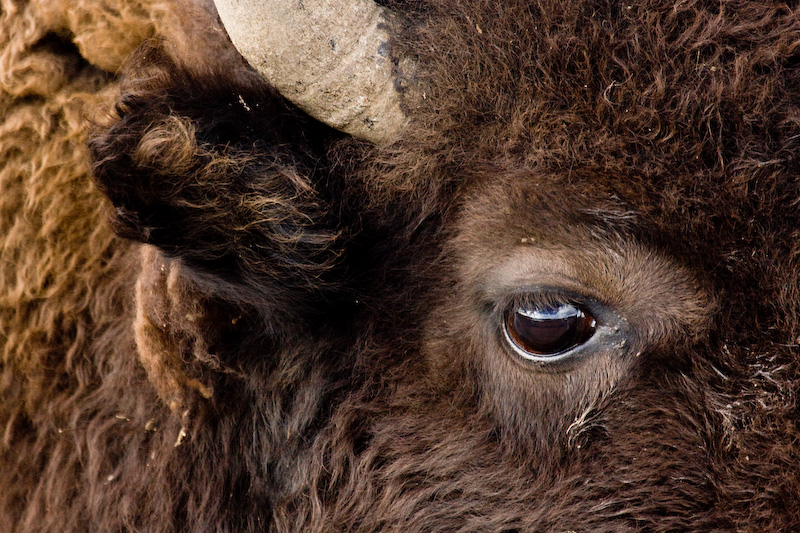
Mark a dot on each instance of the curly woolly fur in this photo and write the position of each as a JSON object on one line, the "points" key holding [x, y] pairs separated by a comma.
{"points": [[299, 330]]}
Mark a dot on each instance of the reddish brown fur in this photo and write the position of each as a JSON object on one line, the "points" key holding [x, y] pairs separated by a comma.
{"points": [[308, 337]]}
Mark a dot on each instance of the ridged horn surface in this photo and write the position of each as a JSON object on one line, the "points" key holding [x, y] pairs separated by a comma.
{"points": [[329, 57]]}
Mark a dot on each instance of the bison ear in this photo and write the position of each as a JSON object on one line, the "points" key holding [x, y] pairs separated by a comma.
{"points": [[218, 170]]}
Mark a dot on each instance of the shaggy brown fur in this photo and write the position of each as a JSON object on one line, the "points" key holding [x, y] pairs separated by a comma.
{"points": [[309, 336]]}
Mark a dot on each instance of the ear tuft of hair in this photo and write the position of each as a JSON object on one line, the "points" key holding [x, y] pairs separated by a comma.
{"points": [[222, 173]]}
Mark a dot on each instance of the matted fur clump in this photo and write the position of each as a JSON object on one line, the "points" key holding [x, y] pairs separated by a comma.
{"points": [[296, 331]]}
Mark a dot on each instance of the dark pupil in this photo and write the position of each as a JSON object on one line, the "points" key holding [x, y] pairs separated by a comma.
{"points": [[549, 330]]}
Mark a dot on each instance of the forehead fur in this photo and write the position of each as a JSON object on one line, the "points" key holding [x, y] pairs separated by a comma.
{"points": [[683, 115], [549, 81]]}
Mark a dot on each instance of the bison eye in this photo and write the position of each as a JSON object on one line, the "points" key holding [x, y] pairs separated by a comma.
{"points": [[544, 332]]}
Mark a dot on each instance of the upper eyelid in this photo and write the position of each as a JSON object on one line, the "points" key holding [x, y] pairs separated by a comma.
{"points": [[529, 281], [549, 295]]}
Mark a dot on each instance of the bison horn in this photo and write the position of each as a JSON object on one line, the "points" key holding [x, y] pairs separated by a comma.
{"points": [[329, 57]]}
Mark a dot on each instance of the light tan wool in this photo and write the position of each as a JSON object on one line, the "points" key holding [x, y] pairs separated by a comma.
{"points": [[60, 263]]}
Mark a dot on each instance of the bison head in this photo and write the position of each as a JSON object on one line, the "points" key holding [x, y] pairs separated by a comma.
{"points": [[517, 266]]}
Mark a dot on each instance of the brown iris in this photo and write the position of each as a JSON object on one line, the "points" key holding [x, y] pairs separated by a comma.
{"points": [[549, 330]]}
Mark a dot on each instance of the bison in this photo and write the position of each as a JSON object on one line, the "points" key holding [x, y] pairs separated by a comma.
{"points": [[442, 265]]}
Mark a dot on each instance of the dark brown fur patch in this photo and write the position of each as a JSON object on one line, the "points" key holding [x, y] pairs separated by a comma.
{"points": [[305, 333]]}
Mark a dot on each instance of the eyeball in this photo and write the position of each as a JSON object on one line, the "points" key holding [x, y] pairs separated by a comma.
{"points": [[546, 332]]}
